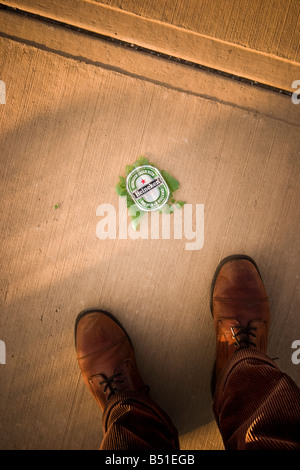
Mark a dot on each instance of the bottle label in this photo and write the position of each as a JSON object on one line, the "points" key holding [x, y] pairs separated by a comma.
{"points": [[147, 188]]}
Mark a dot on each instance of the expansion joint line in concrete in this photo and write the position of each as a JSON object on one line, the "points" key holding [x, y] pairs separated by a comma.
{"points": [[145, 50]]}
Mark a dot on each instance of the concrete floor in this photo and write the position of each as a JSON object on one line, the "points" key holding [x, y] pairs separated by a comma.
{"points": [[71, 122]]}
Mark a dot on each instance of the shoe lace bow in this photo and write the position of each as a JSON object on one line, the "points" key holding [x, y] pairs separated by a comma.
{"points": [[112, 383], [242, 334]]}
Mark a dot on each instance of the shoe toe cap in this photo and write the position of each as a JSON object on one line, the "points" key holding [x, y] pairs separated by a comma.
{"points": [[96, 330], [239, 279]]}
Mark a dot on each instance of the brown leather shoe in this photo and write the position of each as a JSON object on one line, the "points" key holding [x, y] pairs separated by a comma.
{"points": [[105, 356], [240, 307]]}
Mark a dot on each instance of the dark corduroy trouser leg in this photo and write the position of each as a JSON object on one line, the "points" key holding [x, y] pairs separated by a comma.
{"points": [[256, 405], [132, 421]]}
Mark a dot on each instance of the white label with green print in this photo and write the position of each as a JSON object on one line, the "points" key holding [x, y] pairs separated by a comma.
{"points": [[147, 188]]}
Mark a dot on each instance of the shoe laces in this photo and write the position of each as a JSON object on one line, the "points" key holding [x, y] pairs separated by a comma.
{"points": [[111, 383], [242, 334]]}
